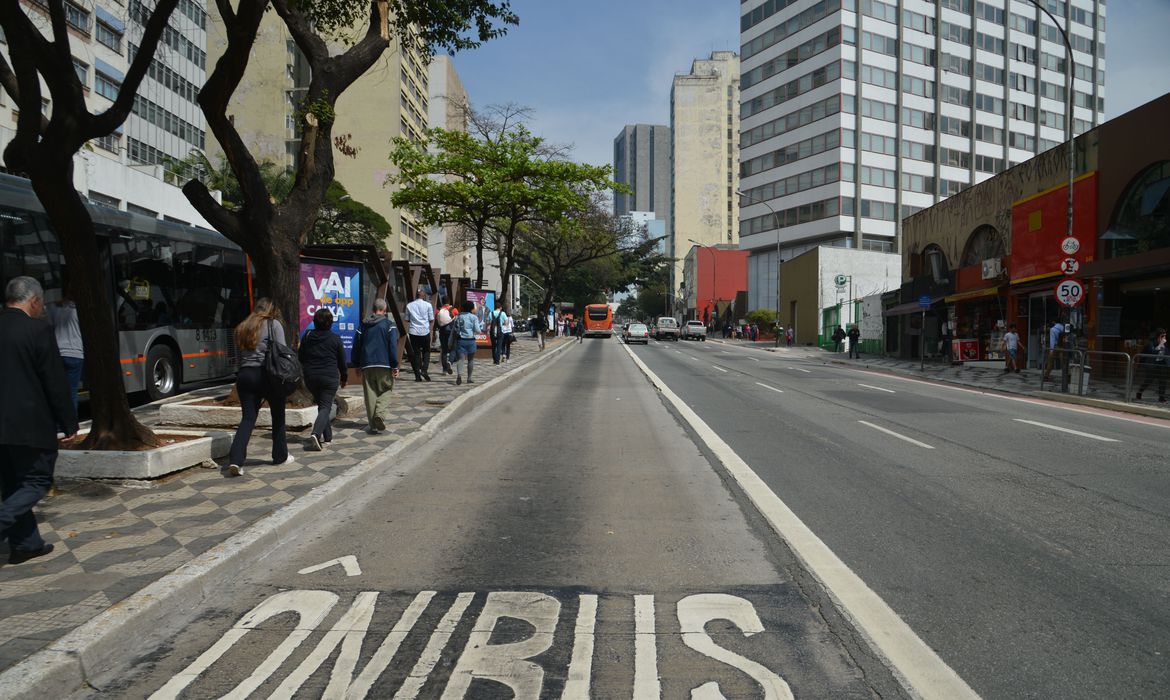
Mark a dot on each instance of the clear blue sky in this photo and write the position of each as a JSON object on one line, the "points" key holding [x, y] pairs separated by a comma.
{"points": [[586, 68]]}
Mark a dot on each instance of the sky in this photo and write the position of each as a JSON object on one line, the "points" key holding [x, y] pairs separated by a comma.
{"points": [[588, 67]]}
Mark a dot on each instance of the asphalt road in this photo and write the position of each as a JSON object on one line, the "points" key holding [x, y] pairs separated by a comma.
{"points": [[570, 539], [1034, 560]]}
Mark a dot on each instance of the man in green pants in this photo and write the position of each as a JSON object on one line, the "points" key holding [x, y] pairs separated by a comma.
{"points": [[375, 352]]}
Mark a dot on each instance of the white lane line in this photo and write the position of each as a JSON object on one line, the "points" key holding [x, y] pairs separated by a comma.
{"points": [[581, 665], [778, 391], [719, 368], [754, 359], [900, 436], [1065, 430], [434, 649], [646, 684], [801, 370], [878, 388], [916, 666]]}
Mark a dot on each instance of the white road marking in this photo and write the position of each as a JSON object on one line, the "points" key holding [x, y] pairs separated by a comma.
{"points": [[434, 649], [801, 370], [754, 359], [897, 435], [646, 683], [778, 391], [878, 388], [719, 368], [1065, 430], [349, 562], [581, 666], [348, 632], [507, 663], [914, 663], [694, 612]]}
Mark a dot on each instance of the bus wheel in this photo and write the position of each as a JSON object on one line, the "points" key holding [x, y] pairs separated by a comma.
{"points": [[161, 375]]}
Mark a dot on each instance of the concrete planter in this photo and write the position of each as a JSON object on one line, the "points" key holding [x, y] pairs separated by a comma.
{"points": [[188, 413], [144, 464]]}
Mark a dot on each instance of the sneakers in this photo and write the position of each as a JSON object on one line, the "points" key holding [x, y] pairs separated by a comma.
{"points": [[233, 470], [470, 380], [314, 444], [377, 424], [288, 460], [458, 380], [426, 377]]}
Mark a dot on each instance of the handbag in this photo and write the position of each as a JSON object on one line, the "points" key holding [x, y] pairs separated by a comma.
{"points": [[282, 368]]}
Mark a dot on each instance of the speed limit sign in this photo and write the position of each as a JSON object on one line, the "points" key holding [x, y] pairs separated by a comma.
{"points": [[1070, 292]]}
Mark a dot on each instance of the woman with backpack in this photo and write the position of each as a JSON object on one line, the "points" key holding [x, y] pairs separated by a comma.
{"points": [[254, 336], [323, 362]]}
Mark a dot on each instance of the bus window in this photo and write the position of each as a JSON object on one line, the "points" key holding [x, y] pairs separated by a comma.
{"points": [[235, 288], [143, 282], [198, 273], [28, 247]]}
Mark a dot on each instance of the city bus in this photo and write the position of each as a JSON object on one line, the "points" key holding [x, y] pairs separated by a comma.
{"points": [[598, 320], [177, 291]]}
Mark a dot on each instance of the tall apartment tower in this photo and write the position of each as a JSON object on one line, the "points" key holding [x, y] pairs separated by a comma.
{"points": [[857, 113], [124, 170], [641, 160], [704, 123], [389, 100]]}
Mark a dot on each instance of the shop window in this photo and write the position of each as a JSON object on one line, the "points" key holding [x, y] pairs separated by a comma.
{"points": [[984, 243], [1142, 222]]}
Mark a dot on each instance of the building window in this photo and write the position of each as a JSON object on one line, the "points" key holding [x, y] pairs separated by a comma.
{"points": [[104, 200], [1143, 220], [105, 86], [108, 36], [82, 69], [77, 18]]}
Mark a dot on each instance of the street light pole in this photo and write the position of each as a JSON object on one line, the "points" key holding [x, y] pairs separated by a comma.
{"points": [[776, 223]]}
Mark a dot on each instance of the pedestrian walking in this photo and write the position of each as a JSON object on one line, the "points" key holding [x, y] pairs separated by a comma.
{"points": [[495, 322], [790, 335], [1154, 365], [323, 364], [508, 327], [254, 336], [539, 324], [420, 326], [466, 327], [579, 330], [375, 353], [755, 332], [854, 336], [1052, 349], [838, 338], [1011, 349], [67, 329], [443, 321], [34, 408]]}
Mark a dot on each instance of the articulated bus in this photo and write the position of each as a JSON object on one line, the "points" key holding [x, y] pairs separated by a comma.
{"points": [[598, 320], [177, 291]]}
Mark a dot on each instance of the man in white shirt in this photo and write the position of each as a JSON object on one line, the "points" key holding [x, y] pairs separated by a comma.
{"points": [[420, 319], [1011, 349]]}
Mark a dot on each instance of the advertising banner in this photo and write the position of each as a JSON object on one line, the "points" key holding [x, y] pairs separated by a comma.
{"points": [[337, 287], [1040, 229], [485, 302]]}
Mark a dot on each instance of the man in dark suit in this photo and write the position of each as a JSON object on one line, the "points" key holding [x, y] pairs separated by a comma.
{"points": [[35, 404]]}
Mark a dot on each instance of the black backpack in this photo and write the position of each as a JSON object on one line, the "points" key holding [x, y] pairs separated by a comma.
{"points": [[282, 368], [497, 325]]}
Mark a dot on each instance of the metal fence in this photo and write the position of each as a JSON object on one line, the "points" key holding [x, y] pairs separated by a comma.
{"points": [[1113, 376], [1150, 371]]}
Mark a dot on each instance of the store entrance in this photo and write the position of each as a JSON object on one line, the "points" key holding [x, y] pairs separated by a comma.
{"points": [[1043, 309]]}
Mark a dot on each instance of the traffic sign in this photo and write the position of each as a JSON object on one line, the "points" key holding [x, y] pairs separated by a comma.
{"points": [[1070, 246], [840, 280], [924, 301], [1070, 266], [1070, 292]]}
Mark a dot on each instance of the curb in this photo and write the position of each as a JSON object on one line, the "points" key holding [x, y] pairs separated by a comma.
{"points": [[66, 665]]}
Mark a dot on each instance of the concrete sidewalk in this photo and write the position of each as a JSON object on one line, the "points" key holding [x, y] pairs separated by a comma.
{"points": [[112, 539]]}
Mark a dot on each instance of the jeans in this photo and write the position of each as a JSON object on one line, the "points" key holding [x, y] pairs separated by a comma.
{"points": [[73, 368], [420, 354], [497, 348], [252, 388], [445, 333], [26, 473], [324, 389], [465, 347], [854, 349]]}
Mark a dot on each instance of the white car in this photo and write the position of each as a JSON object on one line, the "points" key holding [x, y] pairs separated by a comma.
{"points": [[638, 333], [694, 329]]}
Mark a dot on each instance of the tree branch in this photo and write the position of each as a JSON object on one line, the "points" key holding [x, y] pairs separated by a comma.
{"points": [[222, 219]]}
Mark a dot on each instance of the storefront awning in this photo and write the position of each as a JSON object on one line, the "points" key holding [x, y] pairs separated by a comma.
{"points": [[910, 307], [973, 294]]}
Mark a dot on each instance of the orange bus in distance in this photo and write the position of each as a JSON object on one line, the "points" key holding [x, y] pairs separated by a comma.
{"points": [[598, 320]]}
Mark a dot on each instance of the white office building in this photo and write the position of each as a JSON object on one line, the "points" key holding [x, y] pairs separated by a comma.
{"points": [[856, 113]]}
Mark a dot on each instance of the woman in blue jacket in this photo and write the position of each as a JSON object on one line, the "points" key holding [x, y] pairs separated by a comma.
{"points": [[466, 326]]}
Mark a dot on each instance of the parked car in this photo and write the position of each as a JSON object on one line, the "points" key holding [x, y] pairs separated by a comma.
{"points": [[695, 330], [637, 333], [666, 327]]}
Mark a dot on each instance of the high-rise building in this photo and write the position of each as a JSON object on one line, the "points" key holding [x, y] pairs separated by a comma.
{"points": [[124, 170], [389, 100], [704, 122], [856, 113], [641, 160]]}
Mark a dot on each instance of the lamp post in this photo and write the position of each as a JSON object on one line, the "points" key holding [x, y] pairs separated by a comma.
{"points": [[776, 222], [534, 283], [714, 309]]}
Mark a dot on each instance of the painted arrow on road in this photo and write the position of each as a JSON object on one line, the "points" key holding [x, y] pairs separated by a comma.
{"points": [[349, 562]]}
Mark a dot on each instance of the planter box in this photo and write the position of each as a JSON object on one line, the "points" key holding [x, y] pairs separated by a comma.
{"points": [[144, 464], [188, 413]]}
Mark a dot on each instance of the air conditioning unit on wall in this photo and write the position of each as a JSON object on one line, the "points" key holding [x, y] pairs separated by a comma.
{"points": [[992, 268]]}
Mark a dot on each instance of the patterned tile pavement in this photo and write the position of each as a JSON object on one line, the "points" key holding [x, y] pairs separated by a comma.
{"points": [[114, 538]]}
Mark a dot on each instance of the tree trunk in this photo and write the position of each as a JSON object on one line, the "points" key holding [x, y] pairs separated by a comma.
{"points": [[114, 427]]}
